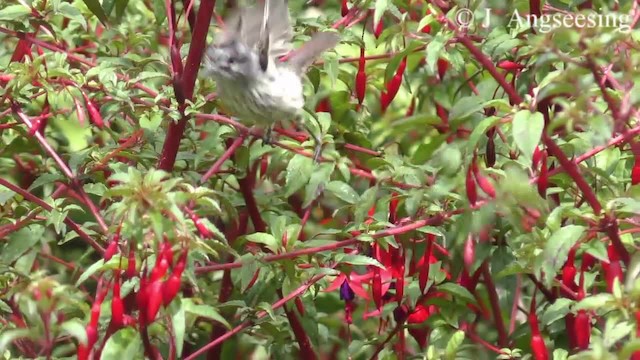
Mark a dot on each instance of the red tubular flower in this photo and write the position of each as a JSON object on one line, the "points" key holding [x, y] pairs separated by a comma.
{"points": [[117, 307], [443, 66], [582, 329], [538, 347], [323, 105], [378, 29], [376, 288], [111, 249], [154, 300], [344, 9], [400, 284], [202, 229], [472, 192], [411, 108], [94, 113], [394, 84], [543, 178], [469, 252], [613, 269], [170, 288], [442, 113], [482, 181], [361, 78], [79, 111], [423, 277], [490, 152], [384, 101], [160, 269], [635, 172], [131, 263], [537, 156], [510, 66]]}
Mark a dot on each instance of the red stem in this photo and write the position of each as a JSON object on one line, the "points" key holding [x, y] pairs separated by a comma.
{"points": [[503, 339]]}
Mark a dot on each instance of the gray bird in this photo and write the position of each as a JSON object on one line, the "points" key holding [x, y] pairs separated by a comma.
{"points": [[252, 83]]}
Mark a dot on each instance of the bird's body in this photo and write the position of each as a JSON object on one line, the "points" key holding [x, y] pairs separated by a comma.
{"points": [[252, 83], [277, 95]]}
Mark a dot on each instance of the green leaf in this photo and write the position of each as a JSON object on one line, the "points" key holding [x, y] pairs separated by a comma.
{"points": [[90, 271], [72, 12], [595, 302], [343, 191], [76, 329], [178, 322], [480, 130], [20, 242], [527, 131], [557, 248], [466, 106], [367, 200], [124, 344], [458, 292], [45, 179], [206, 311], [556, 311], [14, 12], [454, 344], [299, 171], [267, 239], [380, 7], [358, 260], [97, 10]]}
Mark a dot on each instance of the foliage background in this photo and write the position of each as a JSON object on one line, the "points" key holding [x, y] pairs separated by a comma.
{"points": [[486, 210]]}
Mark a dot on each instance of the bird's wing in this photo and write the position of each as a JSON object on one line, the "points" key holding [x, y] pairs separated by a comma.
{"points": [[250, 25], [320, 42]]}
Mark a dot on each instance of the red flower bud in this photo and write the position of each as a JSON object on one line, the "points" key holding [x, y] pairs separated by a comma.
{"points": [[482, 181], [423, 277], [635, 172], [94, 113], [510, 65], [131, 263], [384, 101], [543, 178], [117, 307], [154, 300], [79, 111], [170, 288], [111, 250], [361, 78], [376, 288], [378, 29], [472, 192], [419, 315], [443, 66], [323, 105]]}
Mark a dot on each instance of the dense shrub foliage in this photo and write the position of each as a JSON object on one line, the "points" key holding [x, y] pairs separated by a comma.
{"points": [[476, 198]]}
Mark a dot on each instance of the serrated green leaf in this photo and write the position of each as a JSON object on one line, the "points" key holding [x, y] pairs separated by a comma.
{"points": [[202, 310], [14, 12], [457, 291], [299, 171], [343, 191], [124, 344]]}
